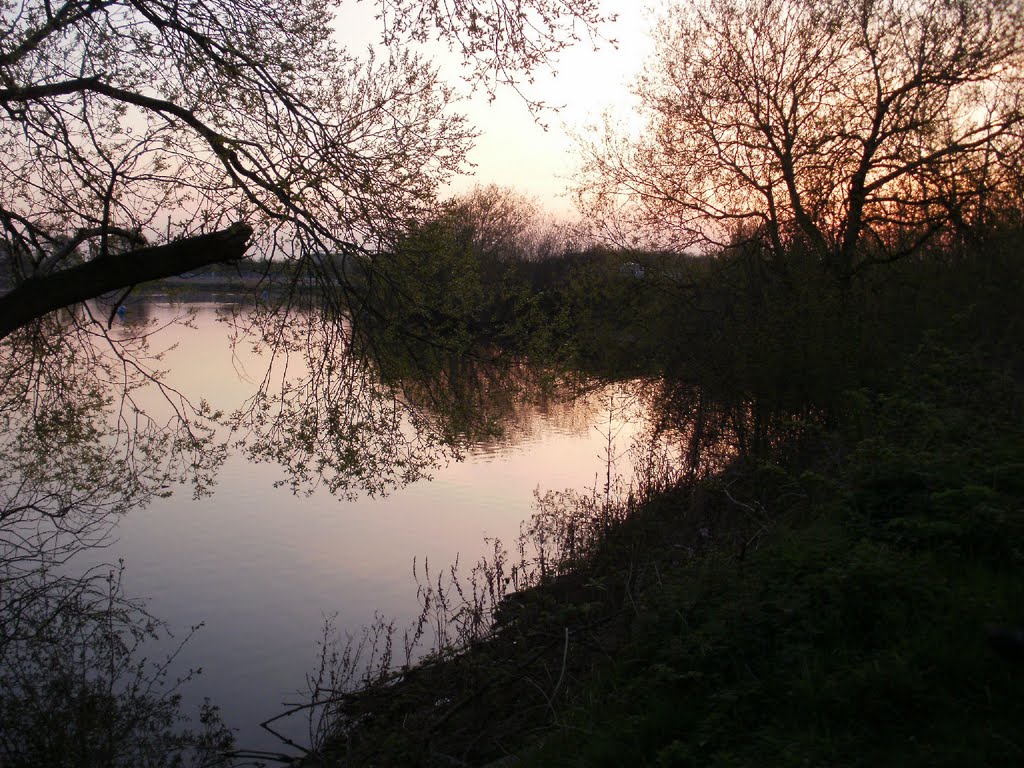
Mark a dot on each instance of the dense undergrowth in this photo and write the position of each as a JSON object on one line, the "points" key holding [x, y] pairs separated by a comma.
{"points": [[823, 575], [847, 625]]}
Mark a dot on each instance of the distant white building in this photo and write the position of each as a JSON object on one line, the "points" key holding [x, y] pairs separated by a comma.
{"points": [[632, 269]]}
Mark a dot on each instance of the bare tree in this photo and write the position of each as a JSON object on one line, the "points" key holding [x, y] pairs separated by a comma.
{"points": [[506, 225], [502, 42], [856, 129]]}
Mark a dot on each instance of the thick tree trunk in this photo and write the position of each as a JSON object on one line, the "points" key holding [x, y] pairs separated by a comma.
{"points": [[38, 296]]}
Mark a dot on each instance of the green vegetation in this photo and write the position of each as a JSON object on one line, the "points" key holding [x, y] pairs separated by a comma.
{"points": [[840, 619], [815, 582]]}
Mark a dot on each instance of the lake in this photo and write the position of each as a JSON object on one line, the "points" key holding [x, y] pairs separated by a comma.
{"points": [[261, 567]]}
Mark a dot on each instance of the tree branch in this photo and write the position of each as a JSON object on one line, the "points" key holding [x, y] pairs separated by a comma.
{"points": [[39, 296]]}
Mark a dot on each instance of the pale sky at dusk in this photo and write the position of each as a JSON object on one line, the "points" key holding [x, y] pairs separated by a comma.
{"points": [[513, 150]]}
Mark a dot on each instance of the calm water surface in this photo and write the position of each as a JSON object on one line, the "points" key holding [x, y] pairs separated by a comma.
{"points": [[260, 567]]}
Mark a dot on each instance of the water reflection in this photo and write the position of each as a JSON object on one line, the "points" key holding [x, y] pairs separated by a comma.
{"points": [[76, 688], [78, 451], [705, 431], [356, 413], [98, 424]]}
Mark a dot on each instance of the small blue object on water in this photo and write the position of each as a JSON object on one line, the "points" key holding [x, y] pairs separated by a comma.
{"points": [[122, 311]]}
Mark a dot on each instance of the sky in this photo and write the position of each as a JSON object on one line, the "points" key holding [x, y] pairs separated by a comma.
{"points": [[513, 149]]}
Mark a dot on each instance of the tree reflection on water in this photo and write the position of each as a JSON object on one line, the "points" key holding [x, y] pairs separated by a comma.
{"points": [[94, 427], [78, 451]]}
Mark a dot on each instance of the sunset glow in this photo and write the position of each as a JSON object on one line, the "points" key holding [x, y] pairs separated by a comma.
{"points": [[514, 147]]}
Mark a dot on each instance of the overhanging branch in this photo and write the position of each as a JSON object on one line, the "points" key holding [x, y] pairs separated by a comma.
{"points": [[41, 295]]}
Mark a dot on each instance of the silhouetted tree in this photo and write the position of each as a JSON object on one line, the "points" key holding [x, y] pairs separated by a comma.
{"points": [[143, 139], [133, 132], [857, 130]]}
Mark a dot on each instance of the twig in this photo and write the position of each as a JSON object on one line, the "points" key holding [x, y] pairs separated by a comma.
{"points": [[255, 754], [265, 725], [561, 675], [741, 504]]}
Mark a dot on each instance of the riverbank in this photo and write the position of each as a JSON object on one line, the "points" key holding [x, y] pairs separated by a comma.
{"points": [[828, 602], [821, 586]]}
